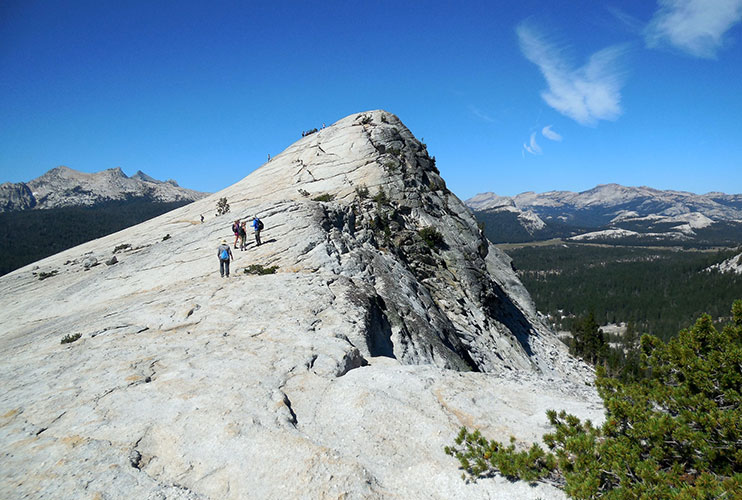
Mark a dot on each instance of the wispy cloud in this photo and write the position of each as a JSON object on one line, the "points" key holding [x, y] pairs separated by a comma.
{"points": [[481, 114], [550, 134], [532, 147], [633, 24], [697, 27], [586, 94]]}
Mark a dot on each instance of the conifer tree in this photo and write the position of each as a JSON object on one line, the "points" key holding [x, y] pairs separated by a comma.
{"points": [[589, 340], [222, 207], [677, 434]]}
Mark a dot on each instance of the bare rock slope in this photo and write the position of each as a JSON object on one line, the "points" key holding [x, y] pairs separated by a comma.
{"points": [[390, 322]]}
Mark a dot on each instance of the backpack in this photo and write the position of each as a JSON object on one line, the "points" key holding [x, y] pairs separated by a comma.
{"points": [[224, 255], [260, 225]]}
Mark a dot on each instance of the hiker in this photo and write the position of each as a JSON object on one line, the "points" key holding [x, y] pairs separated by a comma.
{"points": [[202, 218], [243, 235], [236, 231], [225, 254], [257, 226]]}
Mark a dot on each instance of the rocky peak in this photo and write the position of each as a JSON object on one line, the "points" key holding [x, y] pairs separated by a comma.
{"points": [[145, 178], [65, 187], [385, 202], [15, 196], [116, 172], [373, 321]]}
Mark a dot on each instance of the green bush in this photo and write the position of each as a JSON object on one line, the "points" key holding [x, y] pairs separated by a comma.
{"points": [[43, 275], [362, 191], [222, 207], [324, 197], [381, 198], [122, 247], [260, 270], [676, 434], [68, 339], [432, 237]]}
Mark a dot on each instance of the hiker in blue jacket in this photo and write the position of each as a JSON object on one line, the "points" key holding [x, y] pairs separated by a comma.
{"points": [[225, 255], [257, 226]]}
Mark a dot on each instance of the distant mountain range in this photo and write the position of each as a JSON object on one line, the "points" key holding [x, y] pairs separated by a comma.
{"points": [[64, 208], [65, 187], [611, 213]]}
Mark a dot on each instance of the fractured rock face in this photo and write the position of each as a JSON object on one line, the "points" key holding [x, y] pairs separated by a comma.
{"points": [[389, 322], [16, 196]]}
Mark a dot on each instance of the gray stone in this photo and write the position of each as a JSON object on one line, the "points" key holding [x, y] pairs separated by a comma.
{"points": [[344, 374], [16, 196]]}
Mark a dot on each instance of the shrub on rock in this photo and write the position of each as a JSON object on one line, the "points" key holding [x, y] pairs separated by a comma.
{"points": [[676, 434]]}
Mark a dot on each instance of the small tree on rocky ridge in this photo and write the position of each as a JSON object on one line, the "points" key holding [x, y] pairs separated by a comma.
{"points": [[222, 207]]}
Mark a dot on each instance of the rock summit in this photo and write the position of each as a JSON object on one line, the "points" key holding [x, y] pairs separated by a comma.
{"points": [[337, 361]]}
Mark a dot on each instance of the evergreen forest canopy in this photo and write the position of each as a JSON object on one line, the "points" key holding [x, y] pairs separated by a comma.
{"points": [[31, 235], [654, 290]]}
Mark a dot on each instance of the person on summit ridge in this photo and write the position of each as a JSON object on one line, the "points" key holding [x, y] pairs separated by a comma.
{"points": [[225, 255]]}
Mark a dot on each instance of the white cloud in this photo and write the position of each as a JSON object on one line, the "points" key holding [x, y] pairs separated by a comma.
{"points": [[550, 134], [481, 114], [532, 147], [693, 26], [586, 94]]}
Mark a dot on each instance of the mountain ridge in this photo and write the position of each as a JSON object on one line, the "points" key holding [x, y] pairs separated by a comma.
{"points": [[612, 211], [341, 374], [66, 187]]}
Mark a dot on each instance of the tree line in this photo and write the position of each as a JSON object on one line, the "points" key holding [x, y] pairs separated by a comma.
{"points": [[31, 235], [656, 291]]}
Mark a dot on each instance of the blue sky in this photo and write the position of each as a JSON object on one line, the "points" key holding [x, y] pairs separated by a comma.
{"points": [[536, 96]]}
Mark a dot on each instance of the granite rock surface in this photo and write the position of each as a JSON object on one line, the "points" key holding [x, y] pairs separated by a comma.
{"points": [[388, 323]]}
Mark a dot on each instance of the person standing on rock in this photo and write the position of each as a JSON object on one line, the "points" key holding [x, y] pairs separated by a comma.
{"points": [[236, 231], [243, 236], [225, 255], [257, 226]]}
